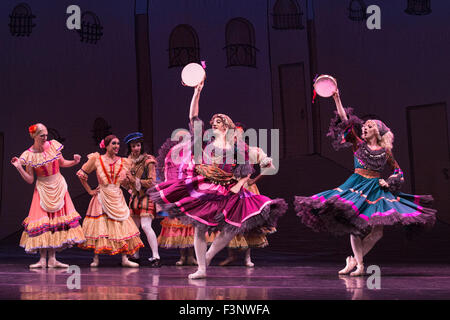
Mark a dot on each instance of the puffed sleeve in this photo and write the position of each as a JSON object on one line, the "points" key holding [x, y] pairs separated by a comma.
{"points": [[89, 166], [150, 164]]}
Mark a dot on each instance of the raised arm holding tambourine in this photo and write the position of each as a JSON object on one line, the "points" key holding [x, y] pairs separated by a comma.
{"points": [[365, 203]]}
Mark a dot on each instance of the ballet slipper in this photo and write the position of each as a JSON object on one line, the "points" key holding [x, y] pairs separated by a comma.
{"points": [[40, 264], [53, 263], [359, 271], [249, 264], [350, 265], [181, 262], [199, 274], [95, 262]]}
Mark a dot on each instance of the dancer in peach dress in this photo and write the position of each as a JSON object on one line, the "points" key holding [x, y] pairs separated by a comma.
{"points": [[108, 226]]}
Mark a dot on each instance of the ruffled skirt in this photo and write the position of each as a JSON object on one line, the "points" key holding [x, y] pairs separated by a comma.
{"points": [[108, 236], [360, 203], [214, 207], [56, 230], [175, 234]]}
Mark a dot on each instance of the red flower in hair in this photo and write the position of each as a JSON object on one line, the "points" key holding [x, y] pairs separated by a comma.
{"points": [[32, 129]]}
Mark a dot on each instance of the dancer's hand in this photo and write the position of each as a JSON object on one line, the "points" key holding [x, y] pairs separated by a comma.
{"points": [[199, 87], [336, 94], [95, 191], [383, 183], [76, 158], [16, 162], [251, 182]]}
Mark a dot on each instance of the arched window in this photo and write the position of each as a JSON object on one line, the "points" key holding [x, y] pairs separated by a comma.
{"points": [[183, 46], [418, 7], [240, 43], [357, 10], [91, 29], [287, 14], [21, 20]]}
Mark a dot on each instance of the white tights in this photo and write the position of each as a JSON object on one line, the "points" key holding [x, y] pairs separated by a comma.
{"points": [[204, 257], [146, 224]]}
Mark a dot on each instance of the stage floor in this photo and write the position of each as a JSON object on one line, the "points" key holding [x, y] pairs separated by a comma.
{"points": [[304, 281]]}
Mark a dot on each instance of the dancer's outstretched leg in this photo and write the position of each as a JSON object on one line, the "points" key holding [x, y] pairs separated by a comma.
{"points": [[220, 242], [200, 247]]}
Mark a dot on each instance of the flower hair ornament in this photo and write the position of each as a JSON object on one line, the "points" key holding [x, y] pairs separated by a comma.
{"points": [[102, 144], [32, 129]]}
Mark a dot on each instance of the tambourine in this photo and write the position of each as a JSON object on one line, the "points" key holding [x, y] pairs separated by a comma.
{"points": [[325, 86], [192, 74]]}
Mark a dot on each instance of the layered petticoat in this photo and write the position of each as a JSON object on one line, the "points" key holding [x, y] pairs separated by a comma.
{"points": [[214, 207], [51, 230], [109, 236], [174, 234]]}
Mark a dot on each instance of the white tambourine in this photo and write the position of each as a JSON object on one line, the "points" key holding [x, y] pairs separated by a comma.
{"points": [[325, 85], [192, 74]]}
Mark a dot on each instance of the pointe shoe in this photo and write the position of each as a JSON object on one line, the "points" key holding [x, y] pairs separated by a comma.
{"points": [[350, 265], [199, 274], [129, 264], [40, 264], [359, 271], [56, 264]]}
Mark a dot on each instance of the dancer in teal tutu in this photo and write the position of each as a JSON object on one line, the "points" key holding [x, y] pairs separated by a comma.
{"points": [[363, 204]]}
